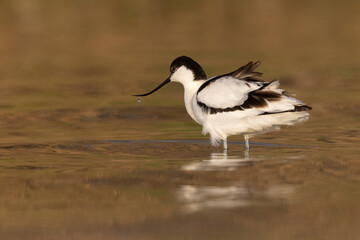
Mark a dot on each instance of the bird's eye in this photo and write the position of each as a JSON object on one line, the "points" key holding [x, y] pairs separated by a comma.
{"points": [[173, 69]]}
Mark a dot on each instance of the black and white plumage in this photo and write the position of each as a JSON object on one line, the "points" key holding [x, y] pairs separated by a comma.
{"points": [[234, 103]]}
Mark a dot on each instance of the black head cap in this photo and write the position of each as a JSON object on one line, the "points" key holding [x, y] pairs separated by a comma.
{"points": [[199, 73]]}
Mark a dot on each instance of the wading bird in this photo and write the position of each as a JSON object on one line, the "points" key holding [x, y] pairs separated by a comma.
{"points": [[234, 103]]}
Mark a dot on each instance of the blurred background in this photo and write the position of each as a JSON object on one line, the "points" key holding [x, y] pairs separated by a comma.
{"points": [[68, 68], [95, 53]]}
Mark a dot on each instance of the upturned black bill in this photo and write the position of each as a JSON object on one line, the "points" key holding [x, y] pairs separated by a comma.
{"points": [[157, 88]]}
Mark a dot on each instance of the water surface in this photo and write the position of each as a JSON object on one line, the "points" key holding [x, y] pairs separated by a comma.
{"points": [[82, 159]]}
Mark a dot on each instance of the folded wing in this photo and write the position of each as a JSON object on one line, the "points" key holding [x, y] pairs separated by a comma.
{"points": [[241, 91]]}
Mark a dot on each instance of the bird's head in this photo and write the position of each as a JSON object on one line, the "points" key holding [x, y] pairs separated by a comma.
{"points": [[183, 70]]}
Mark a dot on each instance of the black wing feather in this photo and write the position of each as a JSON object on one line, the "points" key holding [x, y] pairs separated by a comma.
{"points": [[245, 72]]}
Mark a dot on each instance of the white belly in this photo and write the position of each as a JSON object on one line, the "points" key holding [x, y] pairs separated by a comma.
{"points": [[222, 125]]}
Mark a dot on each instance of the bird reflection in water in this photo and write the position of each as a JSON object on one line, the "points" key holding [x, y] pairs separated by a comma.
{"points": [[220, 161], [200, 198]]}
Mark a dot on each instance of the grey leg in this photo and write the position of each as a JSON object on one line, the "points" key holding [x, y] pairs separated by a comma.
{"points": [[247, 146], [225, 145], [247, 157]]}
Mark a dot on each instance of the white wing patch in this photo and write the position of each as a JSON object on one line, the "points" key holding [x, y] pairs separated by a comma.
{"points": [[226, 92]]}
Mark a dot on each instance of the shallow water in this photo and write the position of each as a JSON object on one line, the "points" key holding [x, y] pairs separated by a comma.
{"points": [[82, 159]]}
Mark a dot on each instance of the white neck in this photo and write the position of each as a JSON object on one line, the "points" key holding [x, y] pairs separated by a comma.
{"points": [[190, 90]]}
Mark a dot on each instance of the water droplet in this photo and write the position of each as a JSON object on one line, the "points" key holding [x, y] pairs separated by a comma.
{"points": [[139, 99]]}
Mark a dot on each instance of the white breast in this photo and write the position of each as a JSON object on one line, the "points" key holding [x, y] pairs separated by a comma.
{"points": [[190, 90]]}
